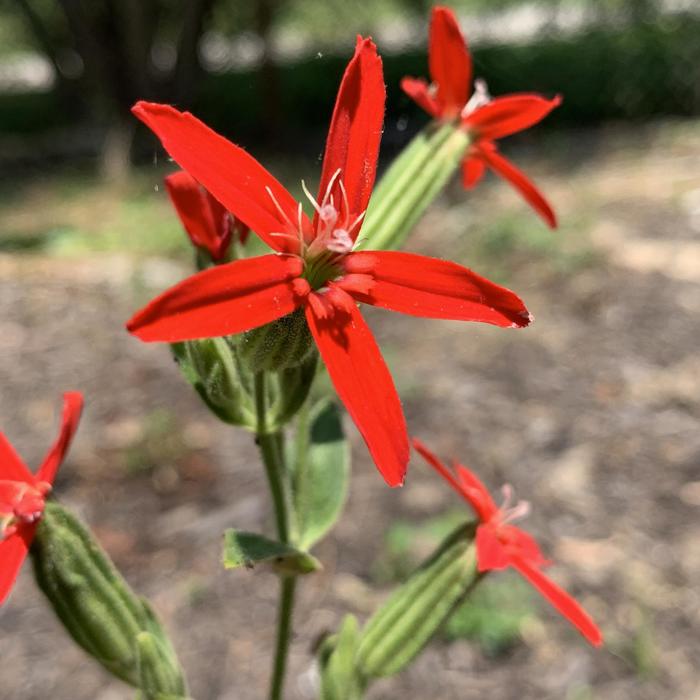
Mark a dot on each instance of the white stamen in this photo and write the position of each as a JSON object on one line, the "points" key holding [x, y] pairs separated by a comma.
{"points": [[357, 221], [480, 97], [331, 182], [279, 208], [508, 513], [328, 214], [340, 241], [300, 214], [311, 198], [345, 195]]}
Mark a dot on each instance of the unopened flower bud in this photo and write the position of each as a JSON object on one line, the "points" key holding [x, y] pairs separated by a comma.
{"points": [[95, 604], [282, 344]]}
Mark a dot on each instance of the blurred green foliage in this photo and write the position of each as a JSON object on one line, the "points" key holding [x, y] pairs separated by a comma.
{"points": [[512, 240], [494, 614], [629, 63]]}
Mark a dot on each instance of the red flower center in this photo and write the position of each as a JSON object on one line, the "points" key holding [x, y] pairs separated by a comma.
{"points": [[333, 235], [20, 503]]}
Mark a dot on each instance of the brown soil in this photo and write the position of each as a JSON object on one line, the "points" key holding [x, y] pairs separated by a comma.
{"points": [[592, 414]]}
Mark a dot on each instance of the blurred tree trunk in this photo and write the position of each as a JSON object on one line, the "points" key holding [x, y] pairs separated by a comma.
{"points": [[269, 74], [188, 66], [115, 40]]}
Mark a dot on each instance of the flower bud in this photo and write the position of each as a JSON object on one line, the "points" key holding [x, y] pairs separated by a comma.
{"points": [[159, 674], [282, 344], [211, 366], [92, 600], [292, 389], [404, 625]]}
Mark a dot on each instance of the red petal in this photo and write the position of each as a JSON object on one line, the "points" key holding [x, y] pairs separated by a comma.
{"points": [[72, 408], [524, 545], [12, 468], [365, 386], [438, 466], [450, 62], [206, 221], [479, 495], [561, 601], [356, 129], [491, 555], [506, 115], [431, 288], [222, 300], [473, 169], [233, 176], [13, 552], [417, 90], [521, 183]]}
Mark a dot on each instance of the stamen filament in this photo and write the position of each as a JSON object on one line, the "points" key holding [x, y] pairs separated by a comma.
{"points": [[279, 208], [331, 182], [311, 198]]}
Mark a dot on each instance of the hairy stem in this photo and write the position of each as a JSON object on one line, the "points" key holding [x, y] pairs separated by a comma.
{"points": [[271, 446]]}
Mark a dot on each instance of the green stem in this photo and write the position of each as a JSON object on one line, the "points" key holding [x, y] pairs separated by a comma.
{"points": [[271, 446], [284, 633], [268, 442]]}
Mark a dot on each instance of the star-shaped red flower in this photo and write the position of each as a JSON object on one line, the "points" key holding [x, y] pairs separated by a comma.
{"points": [[207, 222], [315, 266], [449, 98], [23, 494], [500, 544]]}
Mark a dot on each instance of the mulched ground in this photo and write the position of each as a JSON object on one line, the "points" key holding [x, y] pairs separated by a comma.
{"points": [[592, 414]]}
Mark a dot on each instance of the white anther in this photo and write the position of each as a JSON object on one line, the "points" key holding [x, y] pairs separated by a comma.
{"points": [[480, 97], [340, 241], [510, 513], [328, 215]]}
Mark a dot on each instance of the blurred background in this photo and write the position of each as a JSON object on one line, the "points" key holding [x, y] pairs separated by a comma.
{"points": [[591, 413]]}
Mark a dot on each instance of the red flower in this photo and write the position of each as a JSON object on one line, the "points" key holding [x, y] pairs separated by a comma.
{"points": [[484, 118], [315, 267], [207, 223], [23, 494], [500, 545]]}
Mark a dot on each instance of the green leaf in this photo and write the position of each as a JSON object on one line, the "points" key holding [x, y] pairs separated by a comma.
{"points": [[321, 469], [248, 549], [339, 681]]}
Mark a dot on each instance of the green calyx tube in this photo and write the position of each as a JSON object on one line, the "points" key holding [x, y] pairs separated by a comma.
{"points": [[98, 608], [411, 183]]}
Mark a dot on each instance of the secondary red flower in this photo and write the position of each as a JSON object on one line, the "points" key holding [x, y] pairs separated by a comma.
{"points": [[500, 544], [449, 97], [207, 222], [23, 494], [315, 267]]}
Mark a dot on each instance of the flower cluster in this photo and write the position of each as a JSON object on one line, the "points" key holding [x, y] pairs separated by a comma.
{"points": [[484, 118], [315, 266], [305, 293], [500, 545]]}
